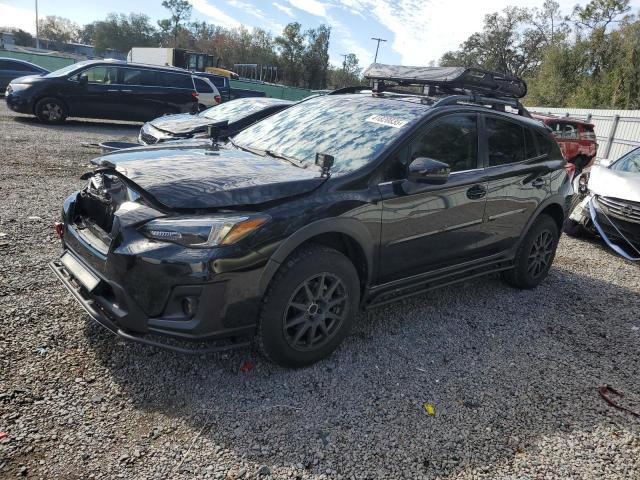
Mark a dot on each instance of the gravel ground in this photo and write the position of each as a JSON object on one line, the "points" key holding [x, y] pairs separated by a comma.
{"points": [[512, 375]]}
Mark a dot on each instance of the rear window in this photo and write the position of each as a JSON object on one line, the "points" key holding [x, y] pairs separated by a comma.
{"points": [[587, 133], [218, 81], [202, 86], [548, 146], [506, 141], [175, 80]]}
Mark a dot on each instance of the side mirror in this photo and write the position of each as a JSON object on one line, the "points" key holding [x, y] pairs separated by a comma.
{"points": [[428, 170], [83, 79]]}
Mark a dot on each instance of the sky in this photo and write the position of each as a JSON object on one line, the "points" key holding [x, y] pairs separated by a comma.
{"points": [[417, 31]]}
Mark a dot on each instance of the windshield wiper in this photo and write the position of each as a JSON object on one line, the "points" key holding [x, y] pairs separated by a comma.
{"points": [[292, 161]]}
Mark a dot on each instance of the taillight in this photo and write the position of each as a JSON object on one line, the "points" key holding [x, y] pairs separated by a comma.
{"points": [[571, 169], [218, 99], [58, 227], [194, 94]]}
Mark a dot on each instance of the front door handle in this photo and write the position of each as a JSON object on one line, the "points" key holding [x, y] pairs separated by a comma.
{"points": [[476, 192], [112, 90], [538, 182], [126, 91]]}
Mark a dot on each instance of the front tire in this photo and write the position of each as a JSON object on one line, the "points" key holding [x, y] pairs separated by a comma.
{"points": [[534, 255], [51, 110], [309, 307]]}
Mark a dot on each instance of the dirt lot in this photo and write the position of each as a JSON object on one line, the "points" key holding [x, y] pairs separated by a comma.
{"points": [[513, 376]]}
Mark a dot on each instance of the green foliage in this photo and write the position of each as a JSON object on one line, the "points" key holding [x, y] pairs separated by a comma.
{"points": [[120, 32], [590, 60], [58, 29], [170, 28]]}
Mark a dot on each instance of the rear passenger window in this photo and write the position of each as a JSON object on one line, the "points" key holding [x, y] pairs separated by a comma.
{"points": [[134, 76], [175, 80], [548, 146], [453, 140], [505, 140], [202, 86], [530, 150]]}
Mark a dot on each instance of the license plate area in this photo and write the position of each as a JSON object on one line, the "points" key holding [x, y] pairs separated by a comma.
{"points": [[81, 273]]}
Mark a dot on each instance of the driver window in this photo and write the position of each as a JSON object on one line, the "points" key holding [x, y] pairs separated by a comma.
{"points": [[452, 139]]}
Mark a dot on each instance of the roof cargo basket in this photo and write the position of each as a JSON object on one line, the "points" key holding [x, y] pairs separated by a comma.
{"points": [[451, 80]]}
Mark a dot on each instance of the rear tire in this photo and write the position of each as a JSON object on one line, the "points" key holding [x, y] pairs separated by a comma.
{"points": [[51, 110], [535, 254], [309, 307]]}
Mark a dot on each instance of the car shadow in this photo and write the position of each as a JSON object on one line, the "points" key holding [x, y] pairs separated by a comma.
{"points": [[502, 368]]}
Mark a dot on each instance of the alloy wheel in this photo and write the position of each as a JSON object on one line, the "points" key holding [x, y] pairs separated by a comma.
{"points": [[540, 254], [315, 312], [52, 111]]}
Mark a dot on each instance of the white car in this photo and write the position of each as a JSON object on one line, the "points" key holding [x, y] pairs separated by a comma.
{"points": [[607, 203], [208, 94]]}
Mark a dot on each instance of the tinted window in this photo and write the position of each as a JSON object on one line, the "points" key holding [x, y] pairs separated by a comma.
{"points": [[505, 140], [175, 80], [4, 65], [27, 68], [547, 145], [217, 81], [452, 139], [202, 86], [355, 129], [135, 76], [629, 163], [19, 66], [102, 74], [530, 150]]}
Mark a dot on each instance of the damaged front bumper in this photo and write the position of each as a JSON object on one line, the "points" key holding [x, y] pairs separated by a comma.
{"points": [[622, 235]]}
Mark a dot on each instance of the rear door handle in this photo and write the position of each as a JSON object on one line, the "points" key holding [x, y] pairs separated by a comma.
{"points": [[126, 91], [538, 182], [113, 90], [476, 192]]}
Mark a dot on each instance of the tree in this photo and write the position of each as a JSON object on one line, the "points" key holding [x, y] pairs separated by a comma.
{"points": [[58, 30], [180, 14], [291, 48], [549, 22], [349, 74], [504, 45], [121, 32], [599, 14], [316, 57], [20, 37]]}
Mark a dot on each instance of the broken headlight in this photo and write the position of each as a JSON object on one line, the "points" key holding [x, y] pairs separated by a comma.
{"points": [[203, 232]]}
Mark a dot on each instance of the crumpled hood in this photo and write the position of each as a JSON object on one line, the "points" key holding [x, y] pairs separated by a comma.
{"points": [[613, 183], [188, 177], [182, 123]]}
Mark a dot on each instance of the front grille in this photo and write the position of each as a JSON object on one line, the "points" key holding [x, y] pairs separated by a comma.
{"points": [[619, 230], [622, 209], [148, 138]]}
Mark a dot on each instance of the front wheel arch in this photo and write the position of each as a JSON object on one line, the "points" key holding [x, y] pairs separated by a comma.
{"points": [[66, 111]]}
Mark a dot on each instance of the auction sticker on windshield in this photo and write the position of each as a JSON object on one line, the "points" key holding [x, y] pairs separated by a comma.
{"points": [[387, 120]]}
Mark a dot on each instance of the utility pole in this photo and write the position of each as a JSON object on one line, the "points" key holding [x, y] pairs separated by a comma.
{"points": [[37, 37], [375, 60], [344, 62]]}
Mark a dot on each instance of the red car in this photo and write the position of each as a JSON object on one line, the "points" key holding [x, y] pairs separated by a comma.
{"points": [[576, 138]]}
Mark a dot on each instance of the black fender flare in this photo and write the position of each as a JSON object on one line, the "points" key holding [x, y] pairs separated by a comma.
{"points": [[347, 226]]}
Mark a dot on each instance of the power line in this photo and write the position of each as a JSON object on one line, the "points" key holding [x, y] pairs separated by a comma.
{"points": [[375, 60]]}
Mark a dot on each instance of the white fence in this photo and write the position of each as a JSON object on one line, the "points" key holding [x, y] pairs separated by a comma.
{"points": [[618, 131]]}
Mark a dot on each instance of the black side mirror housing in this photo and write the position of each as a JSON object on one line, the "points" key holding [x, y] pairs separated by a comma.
{"points": [[83, 79], [428, 170]]}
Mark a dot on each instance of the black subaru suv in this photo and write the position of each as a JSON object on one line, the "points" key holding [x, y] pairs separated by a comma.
{"points": [[338, 203]]}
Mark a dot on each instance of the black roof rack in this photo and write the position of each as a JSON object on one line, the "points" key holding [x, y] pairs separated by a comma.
{"points": [[443, 80]]}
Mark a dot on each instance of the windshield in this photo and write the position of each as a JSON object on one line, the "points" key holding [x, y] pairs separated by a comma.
{"points": [[629, 163], [66, 70], [352, 128], [237, 109]]}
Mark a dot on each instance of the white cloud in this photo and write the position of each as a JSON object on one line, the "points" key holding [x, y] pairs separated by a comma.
{"points": [[266, 22], [314, 7], [283, 8], [216, 15], [23, 18], [425, 29]]}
